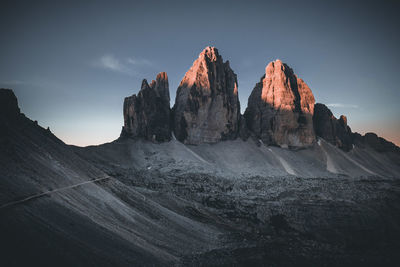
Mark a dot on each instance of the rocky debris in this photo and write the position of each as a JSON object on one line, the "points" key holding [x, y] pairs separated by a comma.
{"points": [[280, 108], [244, 132], [207, 107], [147, 114], [8, 105], [332, 130]]}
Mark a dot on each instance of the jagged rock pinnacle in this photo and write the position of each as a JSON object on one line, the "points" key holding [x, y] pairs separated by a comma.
{"points": [[280, 108], [331, 129], [207, 107], [147, 114]]}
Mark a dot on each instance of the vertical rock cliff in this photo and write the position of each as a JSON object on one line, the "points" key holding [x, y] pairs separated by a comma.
{"points": [[332, 130], [147, 114], [207, 107], [280, 108], [338, 133]]}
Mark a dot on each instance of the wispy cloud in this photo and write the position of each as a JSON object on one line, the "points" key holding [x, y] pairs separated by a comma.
{"points": [[139, 62], [341, 105], [126, 66], [110, 62]]}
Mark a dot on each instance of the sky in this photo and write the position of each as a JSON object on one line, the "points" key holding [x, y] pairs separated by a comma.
{"points": [[71, 63]]}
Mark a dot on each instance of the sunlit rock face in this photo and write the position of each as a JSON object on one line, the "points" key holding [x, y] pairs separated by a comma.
{"points": [[280, 108], [333, 130], [207, 107], [147, 114]]}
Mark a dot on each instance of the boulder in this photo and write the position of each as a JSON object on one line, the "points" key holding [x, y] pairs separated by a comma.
{"points": [[207, 108], [280, 108]]}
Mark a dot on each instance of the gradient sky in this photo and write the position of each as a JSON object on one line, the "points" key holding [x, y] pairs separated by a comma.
{"points": [[71, 63]]}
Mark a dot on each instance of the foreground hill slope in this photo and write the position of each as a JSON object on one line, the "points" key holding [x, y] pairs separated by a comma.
{"points": [[283, 207], [52, 214], [133, 202]]}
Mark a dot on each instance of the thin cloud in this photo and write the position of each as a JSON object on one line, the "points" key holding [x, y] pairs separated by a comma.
{"points": [[109, 62], [341, 105], [139, 62], [126, 66], [112, 63]]}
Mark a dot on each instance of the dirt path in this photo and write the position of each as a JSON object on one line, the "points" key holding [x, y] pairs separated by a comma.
{"points": [[50, 192]]}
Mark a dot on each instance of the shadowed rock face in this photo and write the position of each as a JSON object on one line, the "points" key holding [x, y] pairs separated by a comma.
{"points": [[147, 114], [378, 143], [338, 133], [280, 108], [333, 130], [207, 107], [8, 104]]}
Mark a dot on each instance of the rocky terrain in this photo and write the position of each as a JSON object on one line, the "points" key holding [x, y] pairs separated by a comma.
{"points": [[190, 187]]}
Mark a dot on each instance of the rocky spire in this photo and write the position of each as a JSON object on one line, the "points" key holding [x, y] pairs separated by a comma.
{"points": [[147, 114], [331, 129], [338, 133], [378, 143], [207, 107], [280, 108]]}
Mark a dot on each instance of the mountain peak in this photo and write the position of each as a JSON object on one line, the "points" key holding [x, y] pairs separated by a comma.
{"points": [[280, 108], [211, 53], [278, 68], [207, 107], [147, 114], [144, 85], [8, 104]]}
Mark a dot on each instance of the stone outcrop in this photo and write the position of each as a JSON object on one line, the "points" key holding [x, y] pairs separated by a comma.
{"points": [[13, 122], [207, 107], [377, 143], [337, 132], [331, 129], [8, 105], [147, 114], [280, 108]]}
